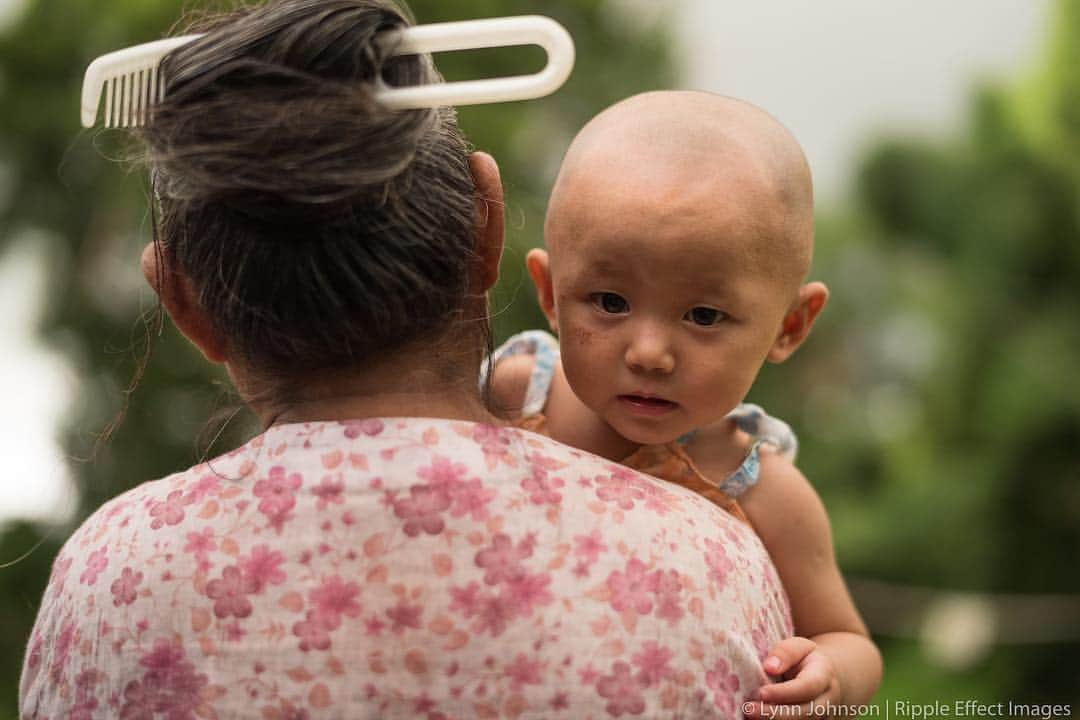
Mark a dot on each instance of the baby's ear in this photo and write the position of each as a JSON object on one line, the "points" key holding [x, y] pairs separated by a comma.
{"points": [[798, 320], [539, 267]]}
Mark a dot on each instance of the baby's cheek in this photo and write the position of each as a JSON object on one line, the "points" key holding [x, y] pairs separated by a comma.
{"points": [[579, 336]]}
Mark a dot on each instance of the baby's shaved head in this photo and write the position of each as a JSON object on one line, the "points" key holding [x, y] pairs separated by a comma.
{"points": [[689, 152]]}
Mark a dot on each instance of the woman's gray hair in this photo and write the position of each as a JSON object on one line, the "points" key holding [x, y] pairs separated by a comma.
{"points": [[320, 229]]}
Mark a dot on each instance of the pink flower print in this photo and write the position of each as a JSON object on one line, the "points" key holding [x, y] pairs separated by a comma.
{"points": [[632, 589], [62, 647], [734, 537], [761, 635], [355, 428], [95, 564], [657, 498], [58, 576], [201, 544], [622, 487], [669, 585], [541, 489], [169, 511], [170, 686], [718, 562], [529, 591], [726, 685], [229, 593], [465, 600], [167, 659], [502, 560], [123, 588], [443, 474], [588, 674], [523, 671], [204, 486], [492, 614], [140, 700], [313, 634], [234, 633], [471, 498], [424, 704], [527, 545], [590, 546], [263, 566], [494, 442], [329, 491], [333, 599], [544, 462], [652, 663], [621, 690], [404, 616], [373, 626], [421, 510], [85, 702], [115, 507], [33, 656], [277, 491]]}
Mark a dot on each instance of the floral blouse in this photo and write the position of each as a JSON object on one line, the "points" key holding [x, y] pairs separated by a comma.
{"points": [[404, 568]]}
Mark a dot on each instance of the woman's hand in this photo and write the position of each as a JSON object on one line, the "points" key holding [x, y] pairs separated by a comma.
{"points": [[809, 687]]}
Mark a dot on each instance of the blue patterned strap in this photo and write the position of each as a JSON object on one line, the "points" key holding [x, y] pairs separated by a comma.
{"points": [[764, 429], [544, 349], [746, 475]]}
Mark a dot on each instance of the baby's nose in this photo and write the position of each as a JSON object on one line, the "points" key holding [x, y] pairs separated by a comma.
{"points": [[650, 351]]}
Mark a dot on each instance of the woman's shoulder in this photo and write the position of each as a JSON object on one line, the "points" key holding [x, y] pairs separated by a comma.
{"points": [[420, 532]]}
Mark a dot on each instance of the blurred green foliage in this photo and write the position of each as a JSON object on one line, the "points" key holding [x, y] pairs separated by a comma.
{"points": [[938, 401], [939, 398]]}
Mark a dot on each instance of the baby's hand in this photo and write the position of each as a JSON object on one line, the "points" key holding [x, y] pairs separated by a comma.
{"points": [[809, 682]]}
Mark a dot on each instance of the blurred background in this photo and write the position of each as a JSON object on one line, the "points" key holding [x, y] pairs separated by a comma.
{"points": [[938, 402]]}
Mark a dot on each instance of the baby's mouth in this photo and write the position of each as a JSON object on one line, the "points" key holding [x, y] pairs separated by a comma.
{"points": [[649, 404]]}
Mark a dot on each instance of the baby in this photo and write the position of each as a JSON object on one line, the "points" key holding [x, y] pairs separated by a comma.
{"points": [[679, 234]]}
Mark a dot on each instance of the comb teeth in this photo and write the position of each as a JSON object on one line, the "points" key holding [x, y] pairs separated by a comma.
{"points": [[128, 97], [130, 81]]}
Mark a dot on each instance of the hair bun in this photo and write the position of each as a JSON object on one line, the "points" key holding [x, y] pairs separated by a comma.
{"points": [[268, 127]]}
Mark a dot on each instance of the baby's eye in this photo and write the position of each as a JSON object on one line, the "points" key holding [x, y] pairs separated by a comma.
{"points": [[611, 303], [705, 316]]}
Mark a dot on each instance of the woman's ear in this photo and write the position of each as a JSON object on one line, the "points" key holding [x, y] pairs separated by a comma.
{"points": [[181, 302], [539, 267], [489, 225], [798, 320]]}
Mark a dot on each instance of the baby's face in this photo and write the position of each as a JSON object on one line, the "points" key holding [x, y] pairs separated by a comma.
{"points": [[665, 307]]}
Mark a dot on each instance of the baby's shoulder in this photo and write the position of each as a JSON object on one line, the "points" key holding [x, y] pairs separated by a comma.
{"points": [[724, 450], [783, 505], [718, 449]]}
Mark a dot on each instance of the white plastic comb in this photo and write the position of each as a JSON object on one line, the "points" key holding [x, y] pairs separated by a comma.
{"points": [[131, 83]]}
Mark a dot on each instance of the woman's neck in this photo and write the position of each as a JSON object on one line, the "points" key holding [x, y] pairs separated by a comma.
{"points": [[408, 385], [450, 406]]}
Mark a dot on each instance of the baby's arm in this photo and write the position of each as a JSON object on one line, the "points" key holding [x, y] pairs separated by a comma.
{"points": [[832, 660], [509, 383]]}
